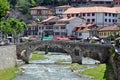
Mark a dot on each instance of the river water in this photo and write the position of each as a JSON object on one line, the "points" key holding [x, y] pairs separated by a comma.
{"points": [[47, 69]]}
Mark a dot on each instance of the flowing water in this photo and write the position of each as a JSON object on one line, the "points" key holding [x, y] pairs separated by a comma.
{"points": [[48, 70]]}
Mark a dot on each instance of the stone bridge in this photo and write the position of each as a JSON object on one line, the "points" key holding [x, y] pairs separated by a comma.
{"points": [[75, 49]]}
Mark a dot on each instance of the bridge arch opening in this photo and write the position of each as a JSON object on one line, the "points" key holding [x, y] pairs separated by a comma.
{"points": [[54, 51]]}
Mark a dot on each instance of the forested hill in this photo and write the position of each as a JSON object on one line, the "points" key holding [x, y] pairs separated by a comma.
{"points": [[25, 5], [38, 2]]}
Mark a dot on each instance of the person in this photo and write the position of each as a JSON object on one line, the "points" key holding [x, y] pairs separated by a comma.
{"points": [[102, 41]]}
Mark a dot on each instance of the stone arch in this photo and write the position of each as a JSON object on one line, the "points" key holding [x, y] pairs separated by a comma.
{"points": [[67, 49]]}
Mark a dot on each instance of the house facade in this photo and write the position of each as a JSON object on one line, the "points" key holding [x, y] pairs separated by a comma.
{"points": [[109, 30], [40, 11]]}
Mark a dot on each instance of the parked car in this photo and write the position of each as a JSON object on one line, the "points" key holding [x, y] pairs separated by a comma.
{"points": [[5, 42]]}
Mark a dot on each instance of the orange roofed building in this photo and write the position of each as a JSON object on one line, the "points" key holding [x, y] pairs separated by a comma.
{"points": [[40, 11]]}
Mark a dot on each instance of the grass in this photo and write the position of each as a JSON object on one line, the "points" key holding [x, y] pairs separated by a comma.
{"points": [[37, 57], [62, 60], [8, 74], [99, 73], [76, 66]]}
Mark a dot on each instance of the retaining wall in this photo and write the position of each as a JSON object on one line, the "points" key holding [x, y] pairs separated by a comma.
{"points": [[7, 56]]}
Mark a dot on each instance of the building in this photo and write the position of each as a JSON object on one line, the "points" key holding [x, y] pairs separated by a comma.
{"points": [[32, 30], [40, 11], [59, 10], [92, 2], [80, 2], [82, 31], [117, 2], [55, 26], [109, 3], [109, 30], [101, 16]]}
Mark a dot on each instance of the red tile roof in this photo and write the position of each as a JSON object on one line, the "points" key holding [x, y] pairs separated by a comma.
{"points": [[110, 28], [94, 9]]}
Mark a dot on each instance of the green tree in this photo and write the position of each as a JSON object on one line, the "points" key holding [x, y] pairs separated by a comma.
{"points": [[4, 7], [17, 28], [13, 3], [5, 29]]}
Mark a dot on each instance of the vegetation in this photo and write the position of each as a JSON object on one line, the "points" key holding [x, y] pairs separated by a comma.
{"points": [[4, 7], [8, 74], [93, 41], [102, 72], [37, 57], [13, 26], [76, 66]]}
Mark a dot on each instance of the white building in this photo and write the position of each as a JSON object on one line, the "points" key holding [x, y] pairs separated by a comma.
{"points": [[71, 23], [59, 27], [101, 16], [59, 10]]}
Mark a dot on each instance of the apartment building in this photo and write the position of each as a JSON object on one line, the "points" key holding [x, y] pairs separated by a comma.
{"points": [[101, 16]]}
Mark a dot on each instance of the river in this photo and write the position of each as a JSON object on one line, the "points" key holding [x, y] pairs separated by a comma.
{"points": [[47, 69]]}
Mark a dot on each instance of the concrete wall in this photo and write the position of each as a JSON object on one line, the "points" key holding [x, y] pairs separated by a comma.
{"points": [[7, 56]]}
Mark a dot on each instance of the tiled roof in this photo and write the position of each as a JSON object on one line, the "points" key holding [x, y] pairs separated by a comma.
{"points": [[39, 7], [83, 28], [32, 24], [57, 25], [49, 18], [67, 18], [110, 28], [94, 9]]}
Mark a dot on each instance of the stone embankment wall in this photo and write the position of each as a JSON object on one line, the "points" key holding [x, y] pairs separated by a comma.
{"points": [[7, 56], [116, 66]]}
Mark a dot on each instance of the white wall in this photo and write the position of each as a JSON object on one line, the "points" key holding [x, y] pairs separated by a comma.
{"points": [[72, 24]]}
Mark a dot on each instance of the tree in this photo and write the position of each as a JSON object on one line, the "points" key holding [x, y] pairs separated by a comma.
{"points": [[5, 29], [13, 3], [4, 7], [17, 28]]}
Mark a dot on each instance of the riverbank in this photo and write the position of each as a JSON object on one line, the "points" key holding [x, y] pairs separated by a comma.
{"points": [[8, 74], [100, 72]]}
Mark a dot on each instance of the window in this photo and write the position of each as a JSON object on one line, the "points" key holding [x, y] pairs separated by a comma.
{"points": [[88, 20], [88, 14], [83, 14], [93, 14], [80, 34], [56, 27], [93, 20], [77, 15], [76, 52], [109, 14], [63, 33], [109, 20], [113, 15], [62, 27], [72, 15], [105, 20], [60, 10], [105, 14], [113, 20], [57, 33]]}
